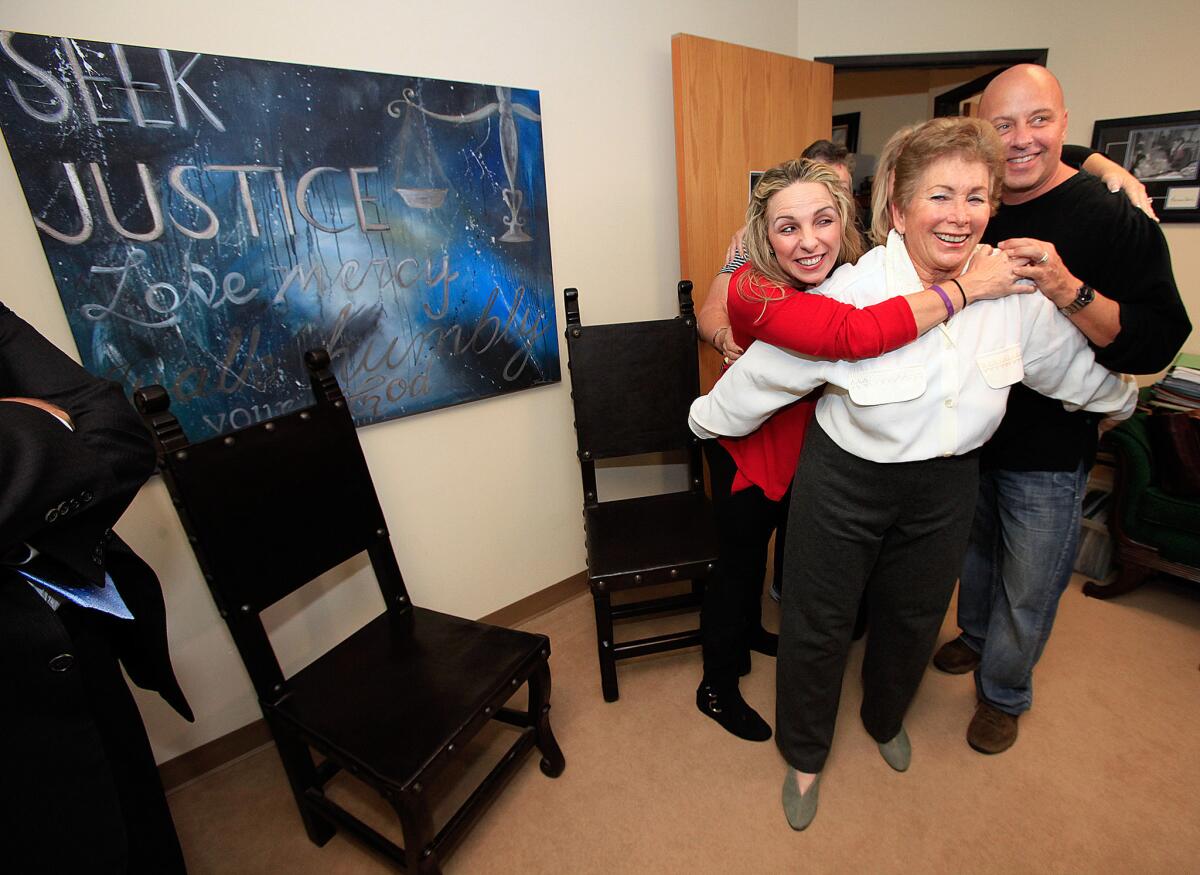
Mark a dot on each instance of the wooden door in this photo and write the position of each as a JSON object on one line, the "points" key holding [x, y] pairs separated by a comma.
{"points": [[736, 110]]}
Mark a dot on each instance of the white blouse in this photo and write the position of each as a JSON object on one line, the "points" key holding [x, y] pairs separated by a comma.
{"points": [[942, 395]]}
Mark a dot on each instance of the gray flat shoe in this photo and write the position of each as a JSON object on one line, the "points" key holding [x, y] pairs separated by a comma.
{"points": [[897, 752], [800, 809]]}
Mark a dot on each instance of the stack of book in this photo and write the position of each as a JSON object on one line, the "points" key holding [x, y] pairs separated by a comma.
{"points": [[1179, 390]]}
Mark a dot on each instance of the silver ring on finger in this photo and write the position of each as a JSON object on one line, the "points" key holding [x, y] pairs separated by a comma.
{"points": [[1045, 257]]}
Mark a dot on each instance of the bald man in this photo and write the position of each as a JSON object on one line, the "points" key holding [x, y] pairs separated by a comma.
{"points": [[1105, 264]]}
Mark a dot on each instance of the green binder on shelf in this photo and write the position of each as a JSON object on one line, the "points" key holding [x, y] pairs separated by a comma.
{"points": [[1187, 360]]}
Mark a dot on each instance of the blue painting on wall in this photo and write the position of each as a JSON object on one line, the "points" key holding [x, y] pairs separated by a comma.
{"points": [[207, 219]]}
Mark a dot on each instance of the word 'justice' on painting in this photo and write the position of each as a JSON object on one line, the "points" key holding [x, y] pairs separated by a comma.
{"points": [[207, 219]]}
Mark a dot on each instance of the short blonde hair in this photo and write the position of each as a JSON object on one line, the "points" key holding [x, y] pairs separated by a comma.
{"points": [[911, 150], [778, 283]]}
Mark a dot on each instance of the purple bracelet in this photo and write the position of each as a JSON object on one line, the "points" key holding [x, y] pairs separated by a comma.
{"points": [[945, 300]]}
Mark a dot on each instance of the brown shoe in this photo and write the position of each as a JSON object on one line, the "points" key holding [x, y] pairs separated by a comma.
{"points": [[956, 658], [991, 730]]}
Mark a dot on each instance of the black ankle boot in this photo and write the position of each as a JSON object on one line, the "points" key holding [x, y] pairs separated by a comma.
{"points": [[728, 708]]}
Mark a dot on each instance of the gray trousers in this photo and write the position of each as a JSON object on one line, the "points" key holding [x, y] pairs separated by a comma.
{"points": [[896, 531]]}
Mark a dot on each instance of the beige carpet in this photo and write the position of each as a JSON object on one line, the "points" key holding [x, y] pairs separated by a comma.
{"points": [[1104, 778]]}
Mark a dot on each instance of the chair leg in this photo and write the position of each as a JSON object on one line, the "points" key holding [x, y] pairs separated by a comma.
{"points": [[302, 774], [1131, 577], [602, 602], [553, 762], [417, 824]]}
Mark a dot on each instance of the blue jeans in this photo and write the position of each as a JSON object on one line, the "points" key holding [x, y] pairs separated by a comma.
{"points": [[1022, 550]]}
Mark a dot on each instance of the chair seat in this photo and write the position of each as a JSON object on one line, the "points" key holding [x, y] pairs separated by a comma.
{"points": [[1168, 523], [650, 536], [1160, 508], [389, 701]]}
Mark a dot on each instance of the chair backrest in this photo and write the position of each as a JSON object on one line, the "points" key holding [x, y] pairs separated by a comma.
{"points": [[273, 506], [632, 385]]}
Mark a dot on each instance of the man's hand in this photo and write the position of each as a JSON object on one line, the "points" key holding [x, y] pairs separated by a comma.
{"points": [[1044, 266], [52, 409]]}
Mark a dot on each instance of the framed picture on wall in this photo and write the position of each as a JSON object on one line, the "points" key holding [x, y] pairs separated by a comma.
{"points": [[845, 130], [1163, 151], [755, 176]]}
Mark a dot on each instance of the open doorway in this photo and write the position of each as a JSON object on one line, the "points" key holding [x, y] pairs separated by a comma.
{"points": [[874, 95]]}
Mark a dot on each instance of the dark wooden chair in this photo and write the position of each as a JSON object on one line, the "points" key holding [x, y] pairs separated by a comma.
{"points": [[632, 385], [271, 507]]}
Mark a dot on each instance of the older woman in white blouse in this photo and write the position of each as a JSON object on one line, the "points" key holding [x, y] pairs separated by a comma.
{"points": [[886, 485]]}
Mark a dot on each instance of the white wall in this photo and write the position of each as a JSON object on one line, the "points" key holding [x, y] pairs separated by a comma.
{"points": [[483, 501], [1111, 64], [887, 100], [879, 118]]}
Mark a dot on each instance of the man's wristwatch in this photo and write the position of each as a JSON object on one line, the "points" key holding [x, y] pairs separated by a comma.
{"points": [[1084, 296]]}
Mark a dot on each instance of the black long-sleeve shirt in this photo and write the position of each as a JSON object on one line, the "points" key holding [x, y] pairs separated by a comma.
{"points": [[1119, 251]]}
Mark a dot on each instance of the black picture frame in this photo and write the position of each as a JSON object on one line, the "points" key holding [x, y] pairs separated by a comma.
{"points": [[845, 130], [1163, 151], [755, 176]]}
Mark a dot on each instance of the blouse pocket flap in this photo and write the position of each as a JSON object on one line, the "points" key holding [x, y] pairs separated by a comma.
{"points": [[888, 386], [1002, 367]]}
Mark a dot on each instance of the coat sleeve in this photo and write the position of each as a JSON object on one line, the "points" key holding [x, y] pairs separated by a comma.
{"points": [[762, 381], [1137, 274], [49, 474], [1059, 363]]}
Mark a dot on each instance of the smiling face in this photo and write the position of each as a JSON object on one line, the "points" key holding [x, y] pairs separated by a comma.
{"points": [[805, 232], [945, 217], [1025, 106]]}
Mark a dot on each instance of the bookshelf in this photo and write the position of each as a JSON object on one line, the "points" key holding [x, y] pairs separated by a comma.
{"points": [[1178, 392]]}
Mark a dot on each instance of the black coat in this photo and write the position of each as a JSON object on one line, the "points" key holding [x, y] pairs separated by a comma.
{"points": [[61, 491]]}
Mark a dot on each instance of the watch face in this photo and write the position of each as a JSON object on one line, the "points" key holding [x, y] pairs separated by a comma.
{"points": [[1083, 297]]}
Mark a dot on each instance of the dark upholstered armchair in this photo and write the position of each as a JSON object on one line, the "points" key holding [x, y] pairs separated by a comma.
{"points": [[1154, 527]]}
